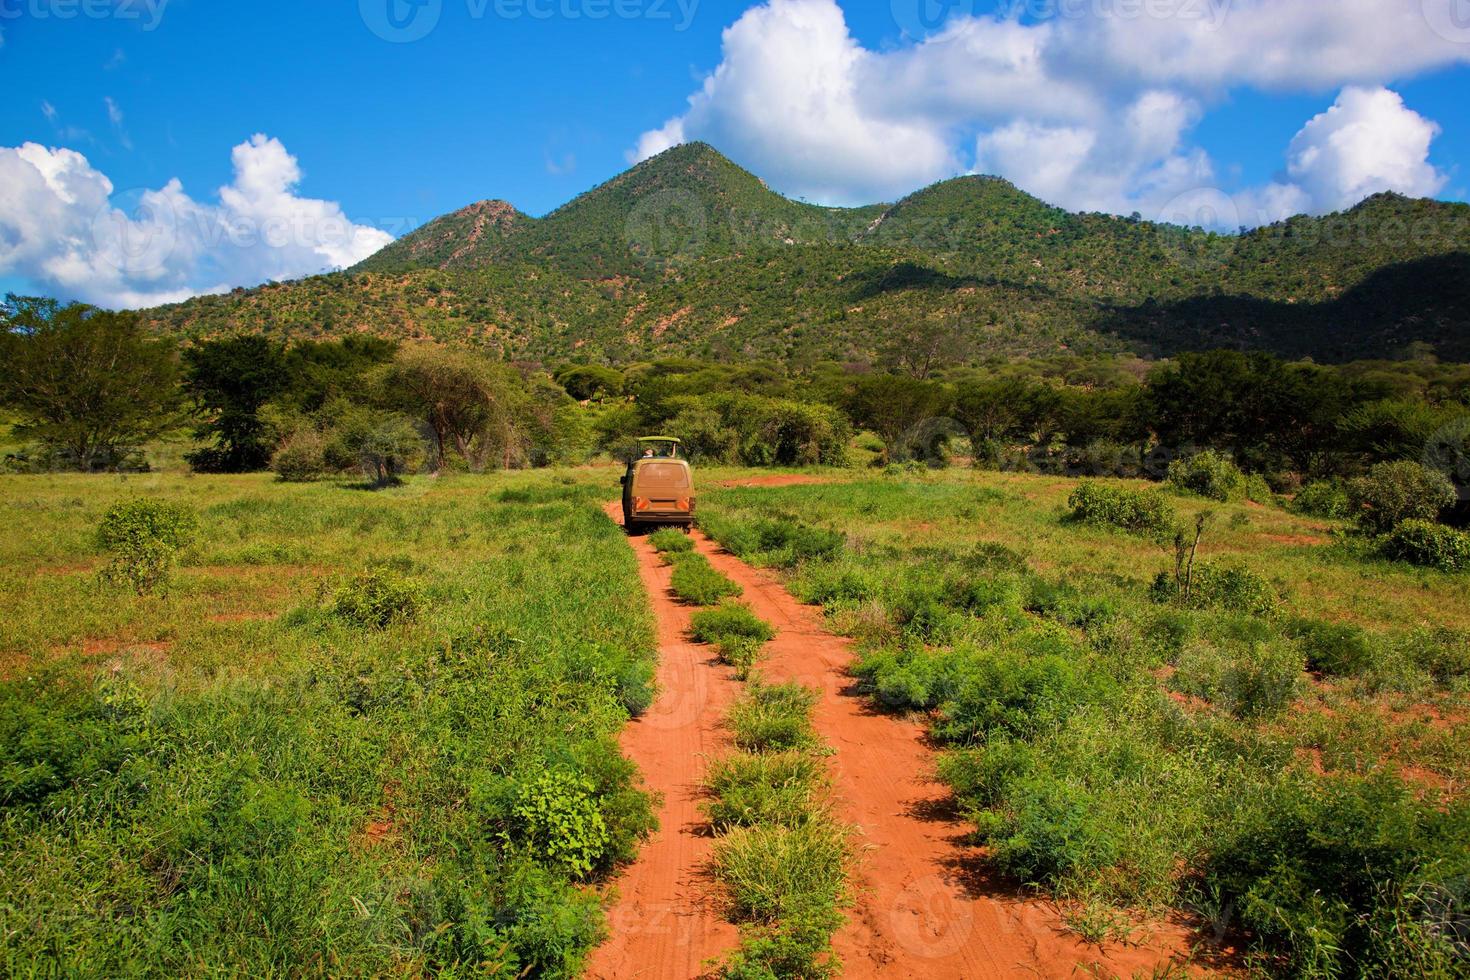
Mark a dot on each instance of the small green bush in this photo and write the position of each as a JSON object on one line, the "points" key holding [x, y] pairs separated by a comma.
{"points": [[1334, 649], [780, 541], [1400, 491], [558, 817], [378, 598], [1441, 652], [1229, 588], [773, 718], [1018, 692], [696, 581], [728, 619], [144, 538], [668, 539], [1249, 681], [1108, 505], [1208, 474], [774, 789], [1425, 543], [1325, 498], [301, 458]]}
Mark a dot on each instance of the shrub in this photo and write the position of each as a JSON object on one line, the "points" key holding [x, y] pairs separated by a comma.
{"points": [[1214, 587], [782, 541], [1335, 649], [301, 458], [1324, 498], [144, 538], [726, 620], [668, 539], [1339, 877], [1209, 474], [1019, 693], [773, 718], [1426, 543], [1250, 680], [696, 581], [557, 816], [1401, 491], [378, 598], [1140, 511], [774, 789]]}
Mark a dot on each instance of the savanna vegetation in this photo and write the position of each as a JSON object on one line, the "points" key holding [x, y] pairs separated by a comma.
{"points": [[1166, 702], [262, 728]]}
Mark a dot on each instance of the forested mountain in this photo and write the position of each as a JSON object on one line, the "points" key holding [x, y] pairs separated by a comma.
{"points": [[687, 253]]}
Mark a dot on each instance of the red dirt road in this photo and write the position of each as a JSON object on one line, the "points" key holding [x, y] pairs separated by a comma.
{"points": [[923, 906], [664, 925]]}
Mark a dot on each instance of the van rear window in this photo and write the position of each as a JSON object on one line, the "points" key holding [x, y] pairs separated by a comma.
{"points": [[668, 474]]}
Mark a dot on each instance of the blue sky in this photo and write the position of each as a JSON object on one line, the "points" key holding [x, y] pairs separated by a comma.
{"points": [[534, 101]]}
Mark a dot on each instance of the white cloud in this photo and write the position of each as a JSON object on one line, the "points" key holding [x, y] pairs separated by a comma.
{"points": [[786, 100], [1091, 110], [1369, 141], [63, 228]]}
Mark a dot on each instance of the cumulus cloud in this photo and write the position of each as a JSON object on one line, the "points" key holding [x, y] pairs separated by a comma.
{"points": [[63, 228], [787, 100], [1091, 109], [1369, 141]]}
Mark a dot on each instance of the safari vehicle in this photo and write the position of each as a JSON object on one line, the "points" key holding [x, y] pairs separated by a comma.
{"points": [[658, 487]]}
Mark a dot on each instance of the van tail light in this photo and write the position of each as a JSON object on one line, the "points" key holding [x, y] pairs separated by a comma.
{"points": [[686, 503], [640, 503]]}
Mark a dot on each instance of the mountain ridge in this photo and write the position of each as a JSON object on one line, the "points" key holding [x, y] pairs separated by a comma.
{"points": [[687, 253]]}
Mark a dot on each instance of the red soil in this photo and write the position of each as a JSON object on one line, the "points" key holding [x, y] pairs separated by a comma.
{"points": [[665, 922], [924, 904]]}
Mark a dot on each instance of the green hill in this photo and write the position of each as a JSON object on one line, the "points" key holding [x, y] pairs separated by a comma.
{"points": [[687, 253]]}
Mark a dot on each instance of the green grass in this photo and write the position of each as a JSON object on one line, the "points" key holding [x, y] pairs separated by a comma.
{"points": [[359, 733], [697, 582], [773, 718], [1129, 751], [669, 541], [781, 856], [736, 632]]}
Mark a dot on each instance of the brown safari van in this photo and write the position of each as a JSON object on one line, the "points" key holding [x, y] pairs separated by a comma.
{"points": [[658, 487]]}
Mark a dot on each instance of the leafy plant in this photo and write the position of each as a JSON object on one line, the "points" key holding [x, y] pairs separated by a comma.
{"points": [[1209, 474], [1324, 498], [1421, 542], [1400, 491], [144, 538], [557, 815], [1141, 511], [1248, 680], [378, 598]]}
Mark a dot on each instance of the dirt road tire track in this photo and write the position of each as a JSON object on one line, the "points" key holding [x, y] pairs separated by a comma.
{"points": [[924, 908], [665, 924]]}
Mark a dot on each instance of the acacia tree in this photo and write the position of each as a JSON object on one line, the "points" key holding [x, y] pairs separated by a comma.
{"points": [[231, 379], [894, 407], [472, 405], [90, 385]]}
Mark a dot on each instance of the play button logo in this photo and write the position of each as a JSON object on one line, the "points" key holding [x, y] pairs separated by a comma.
{"points": [[400, 21]]}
